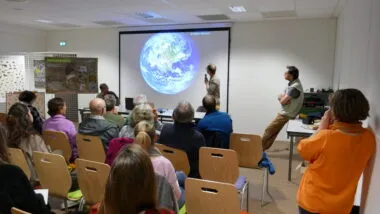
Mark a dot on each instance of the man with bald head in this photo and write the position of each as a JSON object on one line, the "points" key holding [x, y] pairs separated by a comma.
{"points": [[183, 135], [216, 121], [96, 125]]}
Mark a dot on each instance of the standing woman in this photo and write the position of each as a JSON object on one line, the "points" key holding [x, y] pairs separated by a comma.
{"points": [[137, 194], [22, 135], [28, 98], [338, 152], [15, 189]]}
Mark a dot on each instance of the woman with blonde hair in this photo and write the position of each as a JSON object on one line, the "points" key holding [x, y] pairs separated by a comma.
{"points": [[139, 113], [145, 137]]}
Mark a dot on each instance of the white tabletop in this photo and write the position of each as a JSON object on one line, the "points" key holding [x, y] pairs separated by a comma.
{"points": [[169, 113], [296, 126]]}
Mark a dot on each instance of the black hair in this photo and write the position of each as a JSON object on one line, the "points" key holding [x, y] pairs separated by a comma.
{"points": [[103, 86], [27, 97], [55, 105], [293, 70], [211, 68], [209, 103]]}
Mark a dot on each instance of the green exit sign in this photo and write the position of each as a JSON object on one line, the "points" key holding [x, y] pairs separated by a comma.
{"points": [[62, 43]]}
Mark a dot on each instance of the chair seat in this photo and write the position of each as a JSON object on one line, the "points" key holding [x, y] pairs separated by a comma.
{"points": [[240, 182]]}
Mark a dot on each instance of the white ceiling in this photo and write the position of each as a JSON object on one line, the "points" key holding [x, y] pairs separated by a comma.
{"points": [[85, 12]]}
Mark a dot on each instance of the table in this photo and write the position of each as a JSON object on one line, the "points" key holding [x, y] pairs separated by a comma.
{"points": [[162, 115], [295, 129]]}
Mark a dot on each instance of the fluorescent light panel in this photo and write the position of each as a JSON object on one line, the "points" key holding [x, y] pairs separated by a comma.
{"points": [[238, 9], [44, 21]]}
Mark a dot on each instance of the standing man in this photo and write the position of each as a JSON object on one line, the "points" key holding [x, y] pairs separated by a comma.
{"points": [[213, 85], [291, 101], [104, 90]]}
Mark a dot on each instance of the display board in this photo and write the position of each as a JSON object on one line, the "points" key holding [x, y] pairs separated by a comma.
{"points": [[12, 98], [71, 75], [39, 73], [12, 75], [170, 66]]}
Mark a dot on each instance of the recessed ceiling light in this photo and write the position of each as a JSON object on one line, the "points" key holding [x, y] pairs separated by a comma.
{"points": [[44, 21], [17, 1], [18, 9], [238, 9]]}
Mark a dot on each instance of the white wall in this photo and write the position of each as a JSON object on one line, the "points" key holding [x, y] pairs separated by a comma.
{"points": [[15, 38], [99, 43], [358, 66], [260, 53]]}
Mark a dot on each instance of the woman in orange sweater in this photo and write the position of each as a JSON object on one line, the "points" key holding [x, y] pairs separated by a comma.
{"points": [[338, 152]]}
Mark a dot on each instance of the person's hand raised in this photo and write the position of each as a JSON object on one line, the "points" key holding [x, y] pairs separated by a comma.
{"points": [[327, 120]]}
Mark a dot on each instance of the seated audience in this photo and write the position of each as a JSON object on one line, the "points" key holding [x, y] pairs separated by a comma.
{"points": [[104, 90], [137, 194], [145, 134], [58, 122], [112, 115], [115, 146], [184, 135], [338, 153], [96, 125], [139, 113], [15, 189], [216, 121], [157, 124], [22, 135], [28, 98]]}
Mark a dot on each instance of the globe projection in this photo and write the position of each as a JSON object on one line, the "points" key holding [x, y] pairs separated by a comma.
{"points": [[169, 62]]}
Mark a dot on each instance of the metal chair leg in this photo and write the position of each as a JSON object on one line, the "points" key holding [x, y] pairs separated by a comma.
{"points": [[247, 197], [66, 206], [81, 204], [267, 186], [263, 188]]}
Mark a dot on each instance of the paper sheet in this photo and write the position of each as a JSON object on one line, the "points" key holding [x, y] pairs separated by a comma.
{"points": [[44, 193]]}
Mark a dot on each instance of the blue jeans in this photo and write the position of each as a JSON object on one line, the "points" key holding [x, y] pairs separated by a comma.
{"points": [[302, 211], [181, 177]]}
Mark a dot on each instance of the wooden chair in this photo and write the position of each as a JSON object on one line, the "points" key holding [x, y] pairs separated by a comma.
{"points": [[54, 175], [222, 165], [17, 158], [58, 141], [210, 197], [250, 151], [14, 210], [178, 158], [3, 118], [90, 148], [92, 179]]}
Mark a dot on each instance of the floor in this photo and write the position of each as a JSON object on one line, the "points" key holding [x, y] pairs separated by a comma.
{"points": [[283, 191]]}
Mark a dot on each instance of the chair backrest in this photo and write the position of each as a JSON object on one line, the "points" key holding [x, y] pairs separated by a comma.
{"points": [[90, 148], [3, 118], [210, 197], [249, 149], [14, 210], [178, 157], [218, 165], [92, 179], [17, 158], [58, 141], [53, 173]]}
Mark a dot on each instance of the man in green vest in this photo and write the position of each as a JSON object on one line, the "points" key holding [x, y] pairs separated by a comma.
{"points": [[291, 102]]}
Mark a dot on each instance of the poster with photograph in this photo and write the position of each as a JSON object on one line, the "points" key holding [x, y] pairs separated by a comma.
{"points": [[12, 74], [71, 75], [39, 73]]}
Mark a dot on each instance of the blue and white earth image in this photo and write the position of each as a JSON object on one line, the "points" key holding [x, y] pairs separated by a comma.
{"points": [[169, 62]]}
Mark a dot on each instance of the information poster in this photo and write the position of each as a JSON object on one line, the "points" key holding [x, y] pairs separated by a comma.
{"points": [[39, 73], [71, 75]]}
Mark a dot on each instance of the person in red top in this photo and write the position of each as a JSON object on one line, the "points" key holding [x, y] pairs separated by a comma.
{"points": [[338, 153], [131, 186]]}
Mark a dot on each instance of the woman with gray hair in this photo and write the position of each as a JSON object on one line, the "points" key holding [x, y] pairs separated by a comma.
{"points": [[139, 113]]}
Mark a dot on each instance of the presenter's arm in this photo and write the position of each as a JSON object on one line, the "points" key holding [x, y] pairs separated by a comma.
{"points": [[285, 99]]}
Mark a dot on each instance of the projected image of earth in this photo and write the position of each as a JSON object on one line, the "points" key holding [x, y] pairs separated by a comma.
{"points": [[169, 62]]}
